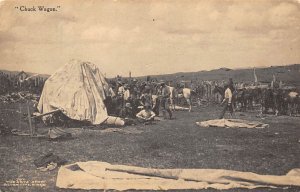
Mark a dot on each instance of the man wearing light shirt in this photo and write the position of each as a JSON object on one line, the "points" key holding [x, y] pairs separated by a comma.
{"points": [[227, 102], [146, 115], [126, 93]]}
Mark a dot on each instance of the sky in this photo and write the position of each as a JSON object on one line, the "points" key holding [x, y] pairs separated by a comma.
{"points": [[150, 37]]}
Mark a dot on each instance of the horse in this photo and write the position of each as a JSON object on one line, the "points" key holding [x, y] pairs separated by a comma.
{"points": [[240, 99], [172, 91], [248, 98], [291, 102], [185, 95], [220, 90], [279, 100]]}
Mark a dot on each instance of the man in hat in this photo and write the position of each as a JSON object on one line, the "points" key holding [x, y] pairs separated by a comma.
{"points": [[126, 93], [109, 100], [155, 100], [231, 85], [227, 102], [164, 99], [120, 88], [134, 88], [146, 115], [146, 97]]}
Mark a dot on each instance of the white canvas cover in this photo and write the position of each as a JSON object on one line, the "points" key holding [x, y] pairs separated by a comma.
{"points": [[232, 123], [78, 90], [104, 176]]}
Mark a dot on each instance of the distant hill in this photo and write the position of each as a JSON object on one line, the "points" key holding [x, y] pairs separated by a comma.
{"points": [[289, 74]]}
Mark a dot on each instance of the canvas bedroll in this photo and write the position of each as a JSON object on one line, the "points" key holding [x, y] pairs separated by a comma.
{"points": [[232, 123], [101, 175]]}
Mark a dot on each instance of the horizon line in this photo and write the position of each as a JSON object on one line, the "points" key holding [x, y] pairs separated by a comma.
{"points": [[237, 68]]}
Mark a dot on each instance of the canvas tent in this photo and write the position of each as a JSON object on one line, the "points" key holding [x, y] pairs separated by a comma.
{"points": [[78, 89]]}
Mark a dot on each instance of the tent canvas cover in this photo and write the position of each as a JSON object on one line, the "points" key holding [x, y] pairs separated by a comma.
{"points": [[78, 89]]}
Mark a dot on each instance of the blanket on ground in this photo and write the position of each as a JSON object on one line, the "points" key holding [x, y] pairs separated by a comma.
{"points": [[232, 123], [102, 175]]}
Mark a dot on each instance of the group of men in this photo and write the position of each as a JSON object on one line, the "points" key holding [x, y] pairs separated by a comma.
{"points": [[139, 102], [142, 102]]}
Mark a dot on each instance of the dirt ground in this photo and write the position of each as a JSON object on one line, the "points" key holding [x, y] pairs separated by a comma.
{"points": [[177, 143]]}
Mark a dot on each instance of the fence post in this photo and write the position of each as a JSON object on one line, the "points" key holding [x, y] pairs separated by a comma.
{"points": [[29, 119]]}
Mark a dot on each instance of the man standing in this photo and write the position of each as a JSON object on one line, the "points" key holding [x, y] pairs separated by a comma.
{"points": [[156, 101], [109, 100], [126, 93], [234, 92], [164, 100], [231, 85], [227, 102], [146, 96], [134, 89], [120, 89]]}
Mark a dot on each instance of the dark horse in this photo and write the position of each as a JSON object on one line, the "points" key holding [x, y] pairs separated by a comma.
{"points": [[220, 90], [246, 97], [280, 101]]}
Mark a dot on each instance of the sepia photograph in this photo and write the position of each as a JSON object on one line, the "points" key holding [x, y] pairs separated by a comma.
{"points": [[150, 95]]}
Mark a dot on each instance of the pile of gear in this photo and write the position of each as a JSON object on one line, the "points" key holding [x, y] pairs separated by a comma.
{"points": [[18, 97], [48, 162]]}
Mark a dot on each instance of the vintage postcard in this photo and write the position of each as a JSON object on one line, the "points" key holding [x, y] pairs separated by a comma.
{"points": [[150, 95]]}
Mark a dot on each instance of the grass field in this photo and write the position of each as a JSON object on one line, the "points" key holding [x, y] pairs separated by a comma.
{"points": [[177, 143]]}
